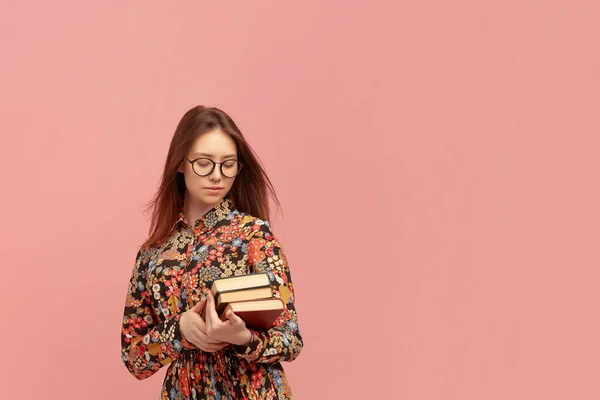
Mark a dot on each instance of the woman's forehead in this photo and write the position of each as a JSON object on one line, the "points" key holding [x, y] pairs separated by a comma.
{"points": [[213, 144]]}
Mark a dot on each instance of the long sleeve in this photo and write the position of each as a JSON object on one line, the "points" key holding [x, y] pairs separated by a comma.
{"points": [[283, 341], [147, 344]]}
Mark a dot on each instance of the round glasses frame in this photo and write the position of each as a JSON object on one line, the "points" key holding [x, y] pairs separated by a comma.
{"points": [[214, 164]]}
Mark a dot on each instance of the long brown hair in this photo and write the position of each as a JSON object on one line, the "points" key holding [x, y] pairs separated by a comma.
{"points": [[251, 189]]}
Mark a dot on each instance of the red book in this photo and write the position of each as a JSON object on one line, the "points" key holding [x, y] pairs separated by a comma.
{"points": [[257, 314]]}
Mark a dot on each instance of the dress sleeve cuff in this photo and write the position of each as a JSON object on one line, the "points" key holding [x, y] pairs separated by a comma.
{"points": [[179, 336], [251, 351]]}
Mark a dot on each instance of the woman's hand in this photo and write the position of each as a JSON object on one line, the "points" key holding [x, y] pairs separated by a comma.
{"points": [[194, 330], [232, 330]]}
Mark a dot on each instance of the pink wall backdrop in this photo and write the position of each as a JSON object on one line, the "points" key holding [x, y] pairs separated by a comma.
{"points": [[437, 163]]}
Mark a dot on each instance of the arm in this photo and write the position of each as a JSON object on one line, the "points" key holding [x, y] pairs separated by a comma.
{"points": [[146, 344], [283, 341]]}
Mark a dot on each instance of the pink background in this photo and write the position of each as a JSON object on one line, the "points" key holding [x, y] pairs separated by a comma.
{"points": [[437, 163]]}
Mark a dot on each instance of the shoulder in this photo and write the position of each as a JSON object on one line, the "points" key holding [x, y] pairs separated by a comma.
{"points": [[247, 220], [254, 226], [146, 253]]}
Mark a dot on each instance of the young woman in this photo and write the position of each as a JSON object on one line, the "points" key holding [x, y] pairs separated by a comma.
{"points": [[210, 220]]}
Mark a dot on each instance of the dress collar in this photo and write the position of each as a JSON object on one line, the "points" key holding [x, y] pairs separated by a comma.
{"points": [[209, 220]]}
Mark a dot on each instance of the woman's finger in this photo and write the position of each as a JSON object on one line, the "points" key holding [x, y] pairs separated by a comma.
{"points": [[231, 316], [199, 306], [198, 323], [205, 338], [211, 312], [210, 347], [204, 344]]}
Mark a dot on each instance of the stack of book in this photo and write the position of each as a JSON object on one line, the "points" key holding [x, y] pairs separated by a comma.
{"points": [[250, 297]]}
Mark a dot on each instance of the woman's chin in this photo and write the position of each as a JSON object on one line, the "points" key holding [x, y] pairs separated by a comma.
{"points": [[210, 200]]}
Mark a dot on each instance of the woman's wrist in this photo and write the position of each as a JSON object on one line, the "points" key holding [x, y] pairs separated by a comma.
{"points": [[245, 338]]}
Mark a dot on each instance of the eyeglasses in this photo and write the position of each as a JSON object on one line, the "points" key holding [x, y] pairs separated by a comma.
{"points": [[206, 166]]}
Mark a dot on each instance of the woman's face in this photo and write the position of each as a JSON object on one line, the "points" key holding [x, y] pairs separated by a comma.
{"points": [[208, 191]]}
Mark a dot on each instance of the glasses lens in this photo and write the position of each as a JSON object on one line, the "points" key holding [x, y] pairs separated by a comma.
{"points": [[203, 166], [230, 168]]}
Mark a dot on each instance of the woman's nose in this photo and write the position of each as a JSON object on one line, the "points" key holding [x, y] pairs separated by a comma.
{"points": [[216, 173]]}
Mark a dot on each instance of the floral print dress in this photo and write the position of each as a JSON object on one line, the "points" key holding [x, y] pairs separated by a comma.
{"points": [[169, 279]]}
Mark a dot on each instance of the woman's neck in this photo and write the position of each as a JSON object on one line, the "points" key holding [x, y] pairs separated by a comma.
{"points": [[194, 210]]}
